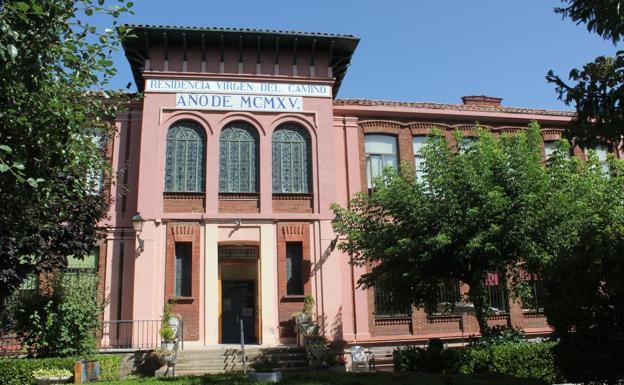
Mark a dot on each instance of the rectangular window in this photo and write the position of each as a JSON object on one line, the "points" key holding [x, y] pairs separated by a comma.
{"points": [[387, 305], [467, 143], [602, 151], [381, 152], [418, 143], [536, 302], [294, 259], [549, 149], [448, 295], [496, 286], [183, 258]]}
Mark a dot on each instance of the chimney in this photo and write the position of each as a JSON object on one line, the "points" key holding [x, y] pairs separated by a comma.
{"points": [[481, 100]]}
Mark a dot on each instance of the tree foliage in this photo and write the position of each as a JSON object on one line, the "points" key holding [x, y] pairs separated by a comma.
{"points": [[53, 120], [604, 17], [583, 274], [62, 319], [596, 90], [476, 210]]}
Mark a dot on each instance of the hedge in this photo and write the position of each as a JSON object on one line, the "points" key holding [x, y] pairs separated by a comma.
{"points": [[520, 360], [18, 371], [513, 359]]}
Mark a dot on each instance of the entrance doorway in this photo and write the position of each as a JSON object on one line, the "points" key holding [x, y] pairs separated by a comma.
{"points": [[238, 303], [238, 276]]}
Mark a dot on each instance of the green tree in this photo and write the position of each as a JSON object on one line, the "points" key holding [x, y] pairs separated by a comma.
{"points": [[596, 90], [61, 319], [476, 210], [54, 119], [584, 237]]}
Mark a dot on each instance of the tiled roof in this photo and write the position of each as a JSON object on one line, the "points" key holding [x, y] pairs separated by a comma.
{"points": [[241, 30], [455, 107]]}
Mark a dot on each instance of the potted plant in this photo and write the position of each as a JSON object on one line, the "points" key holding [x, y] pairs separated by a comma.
{"points": [[304, 316], [52, 376], [167, 332], [318, 347], [165, 356], [265, 369]]}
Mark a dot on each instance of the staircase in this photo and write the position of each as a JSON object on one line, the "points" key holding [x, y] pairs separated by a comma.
{"points": [[229, 360]]}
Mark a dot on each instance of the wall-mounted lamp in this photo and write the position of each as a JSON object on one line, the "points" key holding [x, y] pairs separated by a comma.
{"points": [[335, 222], [237, 224], [137, 225]]}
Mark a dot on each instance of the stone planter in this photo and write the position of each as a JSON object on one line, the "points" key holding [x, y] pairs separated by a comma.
{"points": [[167, 345], [52, 380], [319, 353], [273, 377]]}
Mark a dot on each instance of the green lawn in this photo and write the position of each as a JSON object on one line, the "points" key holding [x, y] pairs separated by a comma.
{"points": [[326, 378]]}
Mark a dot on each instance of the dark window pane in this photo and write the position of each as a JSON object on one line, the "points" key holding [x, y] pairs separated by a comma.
{"points": [[183, 256], [294, 257], [386, 305]]}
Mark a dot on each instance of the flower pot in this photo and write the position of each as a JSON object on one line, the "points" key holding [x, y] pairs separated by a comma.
{"points": [[266, 377], [52, 380], [167, 345]]}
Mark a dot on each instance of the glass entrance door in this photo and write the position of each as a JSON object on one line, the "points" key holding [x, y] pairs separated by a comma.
{"points": [[238, 301]]}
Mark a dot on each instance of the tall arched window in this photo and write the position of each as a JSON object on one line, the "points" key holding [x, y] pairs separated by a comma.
{"points": [[185, 158], [238, 158], [291, 159]]}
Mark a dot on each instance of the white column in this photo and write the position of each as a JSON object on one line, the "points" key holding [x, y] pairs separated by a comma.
{"points": [[268, 285], [211, 285]]}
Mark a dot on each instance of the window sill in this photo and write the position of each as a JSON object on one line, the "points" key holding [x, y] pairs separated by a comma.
{"points": [[293, 298], [182, 300]]}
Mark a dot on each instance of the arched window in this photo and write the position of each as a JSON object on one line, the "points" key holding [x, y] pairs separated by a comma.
{"points": [[238, 159], [291, 159], [185, 158]]}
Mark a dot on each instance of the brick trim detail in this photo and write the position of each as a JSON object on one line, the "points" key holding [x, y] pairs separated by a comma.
{"points": [[291, 232], [184, 202], [187, 308]]}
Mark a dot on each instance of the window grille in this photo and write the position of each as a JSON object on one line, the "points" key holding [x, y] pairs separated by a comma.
{"points": [[238, 159], [291, 160], [185, 158], [387, 305]]}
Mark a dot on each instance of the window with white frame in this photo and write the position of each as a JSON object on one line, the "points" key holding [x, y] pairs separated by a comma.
{"points": [[549, 149], [381, 152], [418, 143], [602, 151]]}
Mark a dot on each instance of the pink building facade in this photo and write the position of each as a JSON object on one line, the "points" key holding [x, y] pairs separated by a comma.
{"points": [[232, 157]]}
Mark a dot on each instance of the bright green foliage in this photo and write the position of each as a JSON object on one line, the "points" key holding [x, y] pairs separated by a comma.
{"points": [[60, 320], [476, 210], [20, 371], [53, 127], [513, 359]]}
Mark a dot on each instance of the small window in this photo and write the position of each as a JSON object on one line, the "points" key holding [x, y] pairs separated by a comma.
{"points": [[183, 257], [294, 259], [536, 302], [496, 286], [549, 149], [467, 142], [418, 143], [388, 305], [602, 151], [381, 152]]}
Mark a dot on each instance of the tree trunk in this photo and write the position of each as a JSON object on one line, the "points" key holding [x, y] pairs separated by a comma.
{"points": [[477, 297]]}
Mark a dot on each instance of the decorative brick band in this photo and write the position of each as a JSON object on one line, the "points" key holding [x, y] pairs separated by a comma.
{"points": [[393, 321], [440, 319]]}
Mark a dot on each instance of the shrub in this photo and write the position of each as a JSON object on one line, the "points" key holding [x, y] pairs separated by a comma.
{"points": [[19, 371], [61, 319], [514, 359], [434, 359], [497, 335]]}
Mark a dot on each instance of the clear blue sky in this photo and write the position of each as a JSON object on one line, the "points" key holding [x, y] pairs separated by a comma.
{"points": [[424, 50]]}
